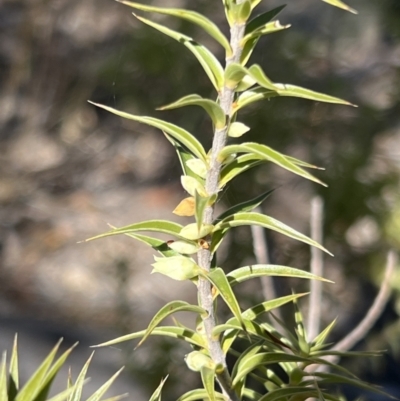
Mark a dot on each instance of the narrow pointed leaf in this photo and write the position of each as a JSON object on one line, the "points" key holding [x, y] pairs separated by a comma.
{"points": [[263, 359], [96, 396], [35, 384], [156, 396], [51, 374], [321, 337], [207, 377], [13, 384], [268, 154], [160, 226], [246, 206], [78, 387], [252, 350], [219, 280], [252, 95], [199, 394], [241, 219], [248, 272], [340, 4], [213, 109], [183, 155], [285, 393], [63, 395], [182, 333], [157, 244], [262, 19], [188, 15], [257, 310], [251, 394], [3, 378], [181, 135], [165, 311], [238, 166], [207, 60]]}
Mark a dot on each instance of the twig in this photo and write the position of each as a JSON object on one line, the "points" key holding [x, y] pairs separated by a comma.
{"points": [[374, 312], [317, 267], [260, 248]]}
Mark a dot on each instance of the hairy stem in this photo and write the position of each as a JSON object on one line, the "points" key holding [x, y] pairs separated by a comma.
{"points": [[204, 256]]}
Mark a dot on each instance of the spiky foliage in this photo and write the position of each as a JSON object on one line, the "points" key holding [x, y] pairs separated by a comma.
{"points": [[38, 385], [191, 255]]}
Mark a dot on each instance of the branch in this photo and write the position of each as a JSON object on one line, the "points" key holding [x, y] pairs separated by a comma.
{"points": [[317, 267]]}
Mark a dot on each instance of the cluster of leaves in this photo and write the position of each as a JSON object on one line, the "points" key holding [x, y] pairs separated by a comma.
{"points": [[38, 385], [281, 362]]}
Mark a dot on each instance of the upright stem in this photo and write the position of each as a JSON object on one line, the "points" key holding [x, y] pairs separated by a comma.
{"points": [[204, 256]]}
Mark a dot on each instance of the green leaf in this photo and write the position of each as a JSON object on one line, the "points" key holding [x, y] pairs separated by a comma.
{"points": [[248, 272], [3, 378], [13, 381], [197, 166], [234, 73], [188, 15], [182, 136], [96, 396], [213, 109], [160, 226], [63, 395], [34, 385], [182, 333], [192, 185], [176, 267], [251, 39], [251, 394], [340, 4], [76, 395], [220, 281], [184, 156], [237, 167], [158, 245], [51, 374], [255, 311], [207, 377], [259, 93], [184, 247], [165, 311], [237, 129], [266, 153], [262, 359], [208, 61], [319, 340], [192, 232], [196, 360], [201, 204], [334, 378], [242, 219], [199, 394], [156, 396], [262, 19], [293, 391], [300, 330], [246, 206]]}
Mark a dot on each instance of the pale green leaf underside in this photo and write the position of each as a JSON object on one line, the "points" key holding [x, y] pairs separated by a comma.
{"points": [[248, 272], [77, 393], [183, 333], [165, 311], [242, 219], [188, 15], [268, 154], [212, 108], [340, 4], [208, 61], [160, 226], [181, 135], [208, 379], [198, 394]]}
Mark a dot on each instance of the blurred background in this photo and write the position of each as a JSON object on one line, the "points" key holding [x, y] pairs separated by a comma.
{"points": [[67, 169]]}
